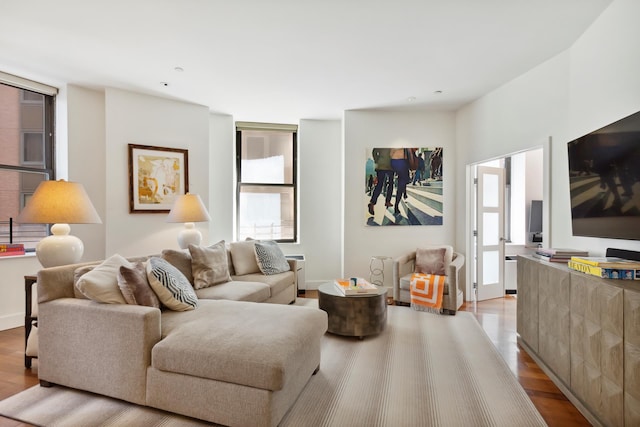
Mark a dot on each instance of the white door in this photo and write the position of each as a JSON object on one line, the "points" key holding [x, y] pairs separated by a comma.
{"points": [[490, 241]]}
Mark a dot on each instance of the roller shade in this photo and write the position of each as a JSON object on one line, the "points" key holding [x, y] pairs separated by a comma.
{"points": [[22, 83], [266, 126]]}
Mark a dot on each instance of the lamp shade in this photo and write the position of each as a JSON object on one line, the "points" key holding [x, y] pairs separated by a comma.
{"points": [[188, 209], [59, 203]]}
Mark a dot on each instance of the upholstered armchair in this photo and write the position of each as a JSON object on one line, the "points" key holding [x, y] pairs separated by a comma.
{"points": [[405, 265]]}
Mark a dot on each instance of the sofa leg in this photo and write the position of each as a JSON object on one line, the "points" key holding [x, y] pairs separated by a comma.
{"points": [[44, 383], [317, 370]]}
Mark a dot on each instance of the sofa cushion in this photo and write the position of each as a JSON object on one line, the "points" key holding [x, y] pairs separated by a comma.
{"points": [[270, 258], [434, 259], [237, 291], [134, 285], [171, 287], [101, 283], [209, 265], [180, 260], [276, 282], [243, 256], [238, 342]]}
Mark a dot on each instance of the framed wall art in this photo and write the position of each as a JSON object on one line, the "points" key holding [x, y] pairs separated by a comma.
{"points": [[403, 186], [157, 175]]}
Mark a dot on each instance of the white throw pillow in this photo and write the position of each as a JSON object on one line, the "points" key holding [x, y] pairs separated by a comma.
{"points": [[243, 255], [170, 285], [101, 283]]}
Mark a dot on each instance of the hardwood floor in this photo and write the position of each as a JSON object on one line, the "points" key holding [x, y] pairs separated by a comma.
{"points": [[497, 317]]}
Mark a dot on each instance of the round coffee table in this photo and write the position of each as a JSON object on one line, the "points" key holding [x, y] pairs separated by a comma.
{"points": [[353, 316]]}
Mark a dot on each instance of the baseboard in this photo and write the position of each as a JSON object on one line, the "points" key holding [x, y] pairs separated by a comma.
{"points": [[11, 321]]}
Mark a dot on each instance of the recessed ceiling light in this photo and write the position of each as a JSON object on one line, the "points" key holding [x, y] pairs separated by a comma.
{"points": [[411, 98], [179, 69], [437, 92]]}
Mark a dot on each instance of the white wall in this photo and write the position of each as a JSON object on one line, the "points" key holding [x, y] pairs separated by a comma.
{"points": [[87, 150], [133, 118], [365, 130], [12, 290], [590, 85], [221, 185], [320, 200]]}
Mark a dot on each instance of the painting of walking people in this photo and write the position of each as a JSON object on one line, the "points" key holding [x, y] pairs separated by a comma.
{"points": [[403, 186]]}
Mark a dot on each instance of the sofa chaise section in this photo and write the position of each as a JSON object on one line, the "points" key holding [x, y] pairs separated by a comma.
{"points": [[264, 364]]}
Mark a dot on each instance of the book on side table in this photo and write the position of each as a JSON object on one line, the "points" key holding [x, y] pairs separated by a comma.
{"points": [[362, 287]]}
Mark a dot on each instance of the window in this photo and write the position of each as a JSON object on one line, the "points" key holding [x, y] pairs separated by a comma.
{"points": [[266, 166], [26, 153]]}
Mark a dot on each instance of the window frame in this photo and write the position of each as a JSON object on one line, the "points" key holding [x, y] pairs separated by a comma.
{"points": [[267, 127], [47, 166]]}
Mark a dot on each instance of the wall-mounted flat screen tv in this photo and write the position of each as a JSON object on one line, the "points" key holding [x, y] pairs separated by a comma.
{"points": [[604, 180]]}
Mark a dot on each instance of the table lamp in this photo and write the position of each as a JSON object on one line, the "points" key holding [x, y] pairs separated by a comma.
{"points": [[59, 203], [188, 209]]}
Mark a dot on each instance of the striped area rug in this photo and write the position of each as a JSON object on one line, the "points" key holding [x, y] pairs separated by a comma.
{"points": [[423, 370]]}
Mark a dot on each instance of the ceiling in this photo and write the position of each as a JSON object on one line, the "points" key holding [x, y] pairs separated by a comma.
{"points": [[286, 60]]}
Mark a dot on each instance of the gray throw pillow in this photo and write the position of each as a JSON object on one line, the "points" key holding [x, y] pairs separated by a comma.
{"points": [[134, 285], [433, 259], [173, 289], [209, 265], [270, 258], [180, 260]]}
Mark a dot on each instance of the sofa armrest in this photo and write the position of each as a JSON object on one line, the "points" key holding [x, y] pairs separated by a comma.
{"points": [[102, 348], [401, 267], [455, 269]]}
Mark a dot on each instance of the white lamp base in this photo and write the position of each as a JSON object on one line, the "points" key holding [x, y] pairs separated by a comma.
{"points": [[60, 248], [189, 236]]}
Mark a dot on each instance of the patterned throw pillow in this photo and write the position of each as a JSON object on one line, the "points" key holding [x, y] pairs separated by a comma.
{"points": [[171, 287], [270, 258]]}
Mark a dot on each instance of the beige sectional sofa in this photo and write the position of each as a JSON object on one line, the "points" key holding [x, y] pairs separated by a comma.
{"points": [[231, 360]]}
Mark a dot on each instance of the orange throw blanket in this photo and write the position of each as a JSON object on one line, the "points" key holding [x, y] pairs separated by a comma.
{"points": [[426, 292]]}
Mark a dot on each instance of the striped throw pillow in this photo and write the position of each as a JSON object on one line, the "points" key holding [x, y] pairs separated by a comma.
{"points": [[173, 289]]}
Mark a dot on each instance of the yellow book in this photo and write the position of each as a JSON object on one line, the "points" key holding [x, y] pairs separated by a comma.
{"points": [[607, 262], [605, 273]]}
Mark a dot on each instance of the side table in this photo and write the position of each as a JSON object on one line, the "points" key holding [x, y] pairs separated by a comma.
{"points": [[353, 316], [28, 317], [376, 269]]}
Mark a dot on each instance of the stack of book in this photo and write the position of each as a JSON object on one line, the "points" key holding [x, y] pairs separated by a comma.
{"points": [[362, 287], [606, 267], [11, 249], [558, 255]]}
